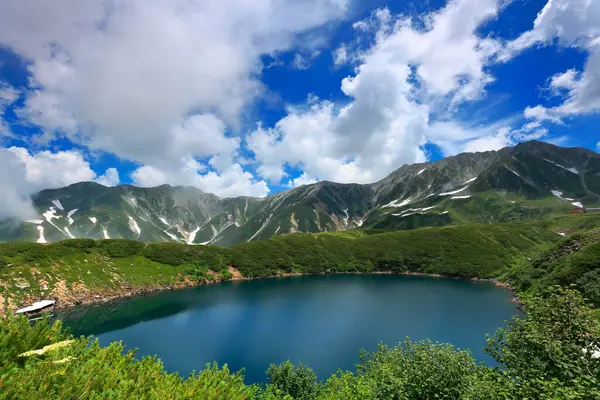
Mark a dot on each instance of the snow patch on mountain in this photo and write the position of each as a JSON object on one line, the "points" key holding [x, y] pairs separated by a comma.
{"points": [[50, 215], [514, 172], [461, 197], [105, 233], [93, 220], [454, 192], [70, 214], [35, 221], [69, 233], [192, 236], [399, 203], [41, 238], [413, 211], [570, 169], [171, 235], [163, 220], [421, 171], [560, 194], [470, 180], [263, 226], [58, 205], [133, 225]]}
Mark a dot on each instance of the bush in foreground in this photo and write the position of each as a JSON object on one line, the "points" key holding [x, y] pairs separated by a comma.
{"points": [[548, 354]]}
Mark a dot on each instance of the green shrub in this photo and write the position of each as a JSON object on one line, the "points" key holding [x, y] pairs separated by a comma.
{"points": [[121, 248], [79, 243], [545, 355], [171, 253], [298, 382]]}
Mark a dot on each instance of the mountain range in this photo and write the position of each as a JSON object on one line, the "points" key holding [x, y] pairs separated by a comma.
{"points": [[529, 181]]}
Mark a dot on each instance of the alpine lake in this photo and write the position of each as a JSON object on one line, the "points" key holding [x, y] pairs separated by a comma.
{"points": [[321, 321]]}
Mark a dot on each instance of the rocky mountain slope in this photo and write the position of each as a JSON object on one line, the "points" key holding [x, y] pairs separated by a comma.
{"points": [[528, 181]]}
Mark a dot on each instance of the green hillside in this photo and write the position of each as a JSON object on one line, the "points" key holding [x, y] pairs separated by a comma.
{"points": [[75, 271], [530, 182], [546, 355]]}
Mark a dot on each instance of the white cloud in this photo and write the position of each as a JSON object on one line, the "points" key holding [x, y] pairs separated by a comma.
{"points": [[149, 176], [303, 179], [540, 113], [340, 55], [574, 23], [46, 169], [450, 57], [302, 62], [231, 182], [16, 190], [454, 137], [598, 147], [110, 178], [8, 95], [153, 81], [387, 119], [23, 173], [566, 80]]}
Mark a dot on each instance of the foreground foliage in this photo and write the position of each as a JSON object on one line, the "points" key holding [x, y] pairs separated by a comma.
{"points": [[575, 260], [548, 354]]}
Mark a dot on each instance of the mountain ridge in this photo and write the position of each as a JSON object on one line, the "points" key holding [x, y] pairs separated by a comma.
{"points": [[527, 181]]}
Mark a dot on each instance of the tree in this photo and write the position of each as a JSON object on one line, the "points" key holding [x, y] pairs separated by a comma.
{"points": [[550, 351]]}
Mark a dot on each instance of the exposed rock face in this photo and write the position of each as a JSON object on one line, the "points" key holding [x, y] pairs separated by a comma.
{"points": [[523, 182]]}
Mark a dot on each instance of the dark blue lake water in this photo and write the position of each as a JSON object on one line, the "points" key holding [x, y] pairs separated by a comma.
{"points": [[321, 321]]}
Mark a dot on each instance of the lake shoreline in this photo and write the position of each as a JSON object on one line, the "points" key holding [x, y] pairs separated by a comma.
{"points": [[129, 292]]}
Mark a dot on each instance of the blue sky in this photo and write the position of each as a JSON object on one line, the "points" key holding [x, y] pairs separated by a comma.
{"points": [[250, 98]]}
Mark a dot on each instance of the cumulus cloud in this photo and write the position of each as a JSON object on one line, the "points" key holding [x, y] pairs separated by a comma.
{"points": [[46, 169], [407, 74], [110, 178], [301, 180], [22, 173], [564, 81], [152, 81], [8, 95], [16, 190], [230, 182], [51, 170], [573, 23], [302, 62], [340, 55]]}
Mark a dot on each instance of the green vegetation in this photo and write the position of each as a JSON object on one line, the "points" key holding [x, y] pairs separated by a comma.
{"points": [[576, 260], [73, 271], [548, 354]]}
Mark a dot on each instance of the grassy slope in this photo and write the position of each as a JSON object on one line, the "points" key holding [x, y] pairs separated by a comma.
{"points": [[573, 261], [76, 271]]}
